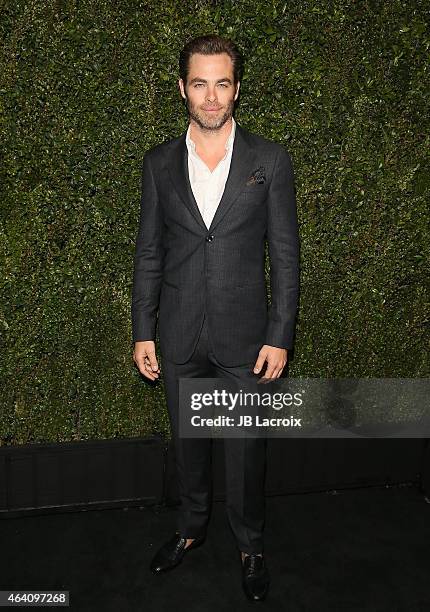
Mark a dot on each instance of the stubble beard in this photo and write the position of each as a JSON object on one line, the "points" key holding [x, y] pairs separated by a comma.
{"points": [[205, 121]]}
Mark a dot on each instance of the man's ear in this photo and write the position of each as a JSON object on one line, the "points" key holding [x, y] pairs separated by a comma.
{"points": [[182, 88], [237, 91]]}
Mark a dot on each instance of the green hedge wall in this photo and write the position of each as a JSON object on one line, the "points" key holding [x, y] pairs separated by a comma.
{"points": [[88, 87]]}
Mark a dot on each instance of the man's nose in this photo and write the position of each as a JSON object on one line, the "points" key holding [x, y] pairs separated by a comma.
{"points": [[211, 95]]}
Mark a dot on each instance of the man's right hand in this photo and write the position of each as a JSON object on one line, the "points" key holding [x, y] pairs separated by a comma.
{"points": [[145, 359]]}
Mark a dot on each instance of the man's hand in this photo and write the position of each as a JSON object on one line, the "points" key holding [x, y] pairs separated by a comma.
{"points": [[145, 359], [276, 359]]}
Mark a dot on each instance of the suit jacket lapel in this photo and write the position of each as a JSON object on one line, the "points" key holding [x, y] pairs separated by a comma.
{"points": [[178, 170], [242, 160]]}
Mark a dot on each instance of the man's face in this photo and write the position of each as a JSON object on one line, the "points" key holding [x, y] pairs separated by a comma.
{"points": [[210, 91]]}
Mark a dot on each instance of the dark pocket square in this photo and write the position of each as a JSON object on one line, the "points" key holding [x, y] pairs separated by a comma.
{"points": [[258, 176]]}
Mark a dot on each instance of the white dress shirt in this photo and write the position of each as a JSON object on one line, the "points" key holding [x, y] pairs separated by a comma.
{"points": [[208, 186]]}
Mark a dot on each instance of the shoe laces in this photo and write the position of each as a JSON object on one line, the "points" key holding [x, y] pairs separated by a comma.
{"points": [[253, 563]]}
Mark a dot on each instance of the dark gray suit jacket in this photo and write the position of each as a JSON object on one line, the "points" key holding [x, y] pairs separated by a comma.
{"points": [[182, 269]]}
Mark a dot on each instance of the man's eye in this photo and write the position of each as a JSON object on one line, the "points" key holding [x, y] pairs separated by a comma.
{"points": [[201, 85]]}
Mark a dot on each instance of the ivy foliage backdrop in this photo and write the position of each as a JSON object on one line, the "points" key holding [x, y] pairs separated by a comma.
{"points": [[88, 87]]}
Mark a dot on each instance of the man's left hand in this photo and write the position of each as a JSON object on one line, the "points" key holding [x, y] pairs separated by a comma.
{"points": [[276, 359]]}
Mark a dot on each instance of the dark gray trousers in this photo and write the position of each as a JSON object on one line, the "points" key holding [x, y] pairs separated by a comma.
{"points": [[245, 458]]}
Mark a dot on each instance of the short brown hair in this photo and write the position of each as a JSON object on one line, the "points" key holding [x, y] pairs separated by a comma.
{"points": [[211, 44]]}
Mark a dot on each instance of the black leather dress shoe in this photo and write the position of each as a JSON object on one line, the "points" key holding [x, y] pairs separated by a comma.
{"points": [[255, 577], [172, 553]]}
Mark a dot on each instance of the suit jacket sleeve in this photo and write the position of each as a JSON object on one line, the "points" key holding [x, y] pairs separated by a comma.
{"points": [[148, 259], [283, 243]]}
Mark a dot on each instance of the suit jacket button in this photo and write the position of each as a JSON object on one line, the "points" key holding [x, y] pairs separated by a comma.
{"points": [[209, 238]]}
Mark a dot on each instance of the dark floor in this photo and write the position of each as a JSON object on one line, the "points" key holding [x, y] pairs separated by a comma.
{"points": [[362, 549]]}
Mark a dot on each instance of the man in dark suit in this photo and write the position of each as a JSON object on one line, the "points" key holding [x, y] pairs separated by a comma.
{"points": [[211, 198]]}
